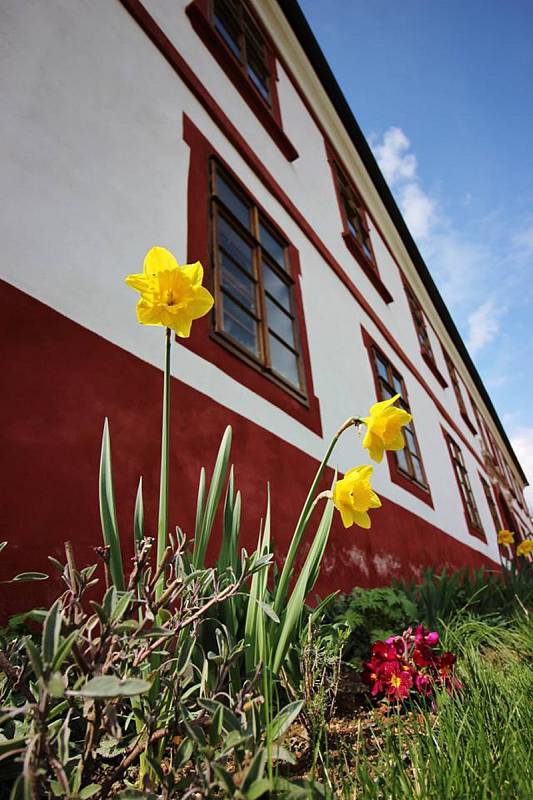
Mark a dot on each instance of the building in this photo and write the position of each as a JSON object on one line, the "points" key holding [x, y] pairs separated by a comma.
{"points": [[215, 128]]}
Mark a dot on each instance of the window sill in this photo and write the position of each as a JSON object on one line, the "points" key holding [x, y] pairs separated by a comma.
{"points": [[433, 367], [368, 268], [402, 480], [268, 118], [468, 424], [476, 532]]}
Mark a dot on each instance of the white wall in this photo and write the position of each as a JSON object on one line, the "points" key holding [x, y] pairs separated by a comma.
{"points": [[94, 169]]}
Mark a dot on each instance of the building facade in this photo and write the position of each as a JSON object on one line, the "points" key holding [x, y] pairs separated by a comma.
{"points": [[215, 128]]}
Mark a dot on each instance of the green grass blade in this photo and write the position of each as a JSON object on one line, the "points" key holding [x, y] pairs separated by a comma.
{"points": [[108, 515]]}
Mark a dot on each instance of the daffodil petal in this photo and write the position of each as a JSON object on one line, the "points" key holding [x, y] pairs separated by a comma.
{"points": [[194, 273], [158, 259], [362, 519]]}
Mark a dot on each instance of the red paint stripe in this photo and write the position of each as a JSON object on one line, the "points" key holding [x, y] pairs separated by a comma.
{"points": [[55, 397]]}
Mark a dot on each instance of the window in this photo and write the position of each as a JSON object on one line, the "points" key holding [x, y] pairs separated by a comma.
{"points": [[458, 393], [491, 503], [423, 335], [243, 38], [390, 383], [255, 307], [356, 233], [236, 39], [463, 481]]}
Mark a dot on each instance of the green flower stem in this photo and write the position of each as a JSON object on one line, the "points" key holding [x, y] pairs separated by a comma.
{"points": [[283, 585], [162, 525]]}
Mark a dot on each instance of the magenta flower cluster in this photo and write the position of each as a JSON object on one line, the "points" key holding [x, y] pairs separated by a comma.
{"points": [[408, 665]]}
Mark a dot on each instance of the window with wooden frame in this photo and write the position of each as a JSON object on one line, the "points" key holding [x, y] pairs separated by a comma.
{"points": [[253, 286], [390, 383], [422, 334], [454, 378], [490, 502], [356, 233], [463, 481], [242, 47]]}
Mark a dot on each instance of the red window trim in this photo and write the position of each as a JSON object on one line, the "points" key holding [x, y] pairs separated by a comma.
{"points": [[369, 266], [473, 531], [202, 340], [396, 475], [427, 355], [458, 393], [200, 15], [486, 482]]}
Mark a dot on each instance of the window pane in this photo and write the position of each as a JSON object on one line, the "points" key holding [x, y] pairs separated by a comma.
{"points": [[277, 288], [233, 201], [279, 322], [239, 324], [273, 246], [381, 368], [386, 392], [259, 79], [402, 460], [227, 28], [397, 385], [234, 245], [237, 283], [410, 440], [366, 248], [419, 475], [284, 361]]}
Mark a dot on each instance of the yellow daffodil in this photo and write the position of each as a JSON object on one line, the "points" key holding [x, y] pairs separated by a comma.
{"points": [[384, 428], [171, 295], [525, 548], [505, 537], [353, 496]]}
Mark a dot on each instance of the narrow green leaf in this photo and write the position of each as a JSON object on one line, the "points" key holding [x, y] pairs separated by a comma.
{"points": [[138, 516], [200, 505], [89, 791], [27, 576], [111, 686], [51, 633], [283, 720], [255, 770], [258, 789], [215, 490], [2, 545], [12, 746], [34, 656], [108, 515], [290, 620]]}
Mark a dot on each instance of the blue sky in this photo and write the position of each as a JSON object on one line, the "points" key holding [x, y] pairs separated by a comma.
{"points": [[444, 93]]}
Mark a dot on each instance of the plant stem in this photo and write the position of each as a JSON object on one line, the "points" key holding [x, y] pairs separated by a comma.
{"points": [[283, 585], [162, 525]]}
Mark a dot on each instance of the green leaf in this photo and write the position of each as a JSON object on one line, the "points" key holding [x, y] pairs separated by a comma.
{"points": [[2, 545], [111, 686], [293, 613], [138, 516], [258, 789], [283, 720], [88, 791], [224, 778], [255, 770], [201, 540], [51, 633], [34, 656], [28, 576], [108, 514], [12, 746]]}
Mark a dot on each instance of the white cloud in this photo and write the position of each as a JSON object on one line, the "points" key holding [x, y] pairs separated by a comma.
{"points": [[522, 443], [418, 210], [395, 162], [483, 325]]}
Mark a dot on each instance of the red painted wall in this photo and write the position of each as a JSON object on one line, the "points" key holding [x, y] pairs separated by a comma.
{"points": [[59, 381]]}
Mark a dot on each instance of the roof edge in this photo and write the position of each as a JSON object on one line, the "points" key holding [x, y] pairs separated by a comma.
{"points": [[302, 30]]}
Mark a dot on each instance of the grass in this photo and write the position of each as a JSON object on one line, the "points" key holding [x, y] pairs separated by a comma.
{"points": [[472, 747]]}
